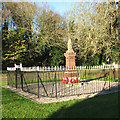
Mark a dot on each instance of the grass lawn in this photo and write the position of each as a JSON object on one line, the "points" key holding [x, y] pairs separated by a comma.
{"points": [[3, 83], [16, 106]]}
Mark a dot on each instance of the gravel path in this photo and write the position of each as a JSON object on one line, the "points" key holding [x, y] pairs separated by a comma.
{"points": [[77, 91]]}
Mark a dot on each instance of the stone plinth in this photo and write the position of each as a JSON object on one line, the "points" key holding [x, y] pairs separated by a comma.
{"points": [[70, 65], [70, 74], [70, 60]]}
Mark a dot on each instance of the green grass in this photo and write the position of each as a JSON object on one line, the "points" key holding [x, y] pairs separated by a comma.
{"points": [[16, 106], [35, 81], [3, 83], [111, 78], [4, 71]]}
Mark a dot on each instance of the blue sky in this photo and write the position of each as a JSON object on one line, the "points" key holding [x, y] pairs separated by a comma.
{"points": [[60, 7]]}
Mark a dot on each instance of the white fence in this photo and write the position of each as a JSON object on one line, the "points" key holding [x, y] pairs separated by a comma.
{"points": [[62, 68]]}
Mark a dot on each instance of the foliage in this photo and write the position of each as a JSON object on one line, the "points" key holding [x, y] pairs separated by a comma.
{"points": [[94, 35], [57, 57], [35, 35], [50, 33], [17, 32]]}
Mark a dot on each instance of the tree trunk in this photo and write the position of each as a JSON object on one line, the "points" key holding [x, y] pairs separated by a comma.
{"points": [[101, 57]]}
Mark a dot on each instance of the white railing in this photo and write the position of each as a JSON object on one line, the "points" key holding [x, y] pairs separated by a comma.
{"points": [[11, 68], [62, 68]]}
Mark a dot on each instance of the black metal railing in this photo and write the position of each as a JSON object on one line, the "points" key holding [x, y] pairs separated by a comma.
{"points": [[49, 83]]}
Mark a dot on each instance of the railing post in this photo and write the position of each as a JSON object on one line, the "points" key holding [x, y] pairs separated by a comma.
{"points": [[114, 73], [55, 84], [21, 73], [8, 77], [16, 78], [38, 83], [20, 66], [109, 79]]}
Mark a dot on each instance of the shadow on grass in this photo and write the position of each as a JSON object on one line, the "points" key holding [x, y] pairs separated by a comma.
{"points": [[102, 106]]}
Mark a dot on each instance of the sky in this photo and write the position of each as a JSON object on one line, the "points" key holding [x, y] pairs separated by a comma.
{"points": [[60, 7]]}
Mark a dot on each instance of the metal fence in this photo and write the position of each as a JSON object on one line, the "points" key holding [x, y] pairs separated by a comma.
{"points": [[48, 83]]}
